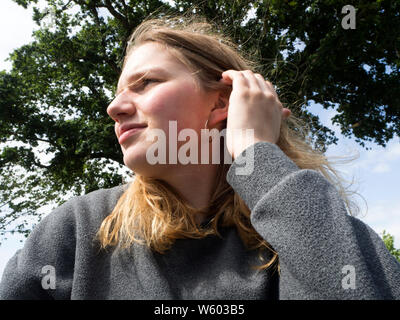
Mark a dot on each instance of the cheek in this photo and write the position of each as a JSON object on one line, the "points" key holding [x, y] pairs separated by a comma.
{"points": [[181, 103]]}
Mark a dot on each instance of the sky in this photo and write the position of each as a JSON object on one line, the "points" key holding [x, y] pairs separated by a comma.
{"points": [[375, 171]]}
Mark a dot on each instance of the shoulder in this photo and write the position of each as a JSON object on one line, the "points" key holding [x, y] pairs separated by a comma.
{"points": [[54, 242], [98, 203], [89, 209], [78, 217]]}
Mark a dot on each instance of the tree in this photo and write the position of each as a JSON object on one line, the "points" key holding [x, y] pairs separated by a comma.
{"points": [[56, 94], [388, 239]]}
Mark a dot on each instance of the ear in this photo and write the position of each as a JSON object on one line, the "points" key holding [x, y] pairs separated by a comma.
{"points": [[219, 112]]}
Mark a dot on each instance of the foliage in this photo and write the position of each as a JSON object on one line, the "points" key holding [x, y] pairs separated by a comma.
{"points": [[389, 242]]}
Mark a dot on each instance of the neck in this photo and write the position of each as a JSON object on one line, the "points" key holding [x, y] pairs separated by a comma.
{"points": [[195, 184]]}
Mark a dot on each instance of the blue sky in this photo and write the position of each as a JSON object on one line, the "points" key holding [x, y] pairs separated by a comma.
{"points": [[375, 171]]}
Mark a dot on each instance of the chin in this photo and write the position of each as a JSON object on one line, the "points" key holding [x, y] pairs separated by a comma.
{"points": [[134, 156], [135, 160]]}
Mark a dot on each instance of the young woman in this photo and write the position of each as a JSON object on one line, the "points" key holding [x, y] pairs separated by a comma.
{"points": [[204, 229]]}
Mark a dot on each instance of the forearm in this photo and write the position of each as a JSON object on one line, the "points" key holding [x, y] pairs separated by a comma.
{"points": [[301, 214]]}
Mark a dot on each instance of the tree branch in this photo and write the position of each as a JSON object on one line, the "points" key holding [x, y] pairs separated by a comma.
{"points": [[5, 204], [125, 6], [48, 141], [66, 6], [116, 14], [110, 62]]}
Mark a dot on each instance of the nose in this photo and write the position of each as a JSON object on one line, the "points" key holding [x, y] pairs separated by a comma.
{"points": [[121, 106]]}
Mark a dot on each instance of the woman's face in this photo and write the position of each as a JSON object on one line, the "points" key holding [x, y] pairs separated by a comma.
{"points": [[167, 93]]}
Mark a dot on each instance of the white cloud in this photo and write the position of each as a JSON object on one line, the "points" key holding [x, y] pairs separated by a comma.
{"points": [[16, 27], [381, 168], [376, 176], [380, 159], [384, 216]]}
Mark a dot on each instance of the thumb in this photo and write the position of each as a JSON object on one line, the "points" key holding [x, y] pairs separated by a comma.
{"points": [[286, 113]]}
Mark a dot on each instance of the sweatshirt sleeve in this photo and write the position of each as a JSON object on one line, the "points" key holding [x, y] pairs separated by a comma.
{"points": [[43, 267], [324, 253]]}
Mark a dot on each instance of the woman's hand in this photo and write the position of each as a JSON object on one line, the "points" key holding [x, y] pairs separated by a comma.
{"points": [[253, 104]]}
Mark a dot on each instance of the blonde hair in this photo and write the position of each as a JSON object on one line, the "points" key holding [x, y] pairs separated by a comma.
{"points": [[152, 213]]}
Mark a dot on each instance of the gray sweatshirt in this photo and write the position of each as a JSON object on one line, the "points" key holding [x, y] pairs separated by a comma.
{"points": [[324, 252]]}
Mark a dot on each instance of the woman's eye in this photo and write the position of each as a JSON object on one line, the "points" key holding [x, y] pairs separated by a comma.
{"points": [[144, 82]]}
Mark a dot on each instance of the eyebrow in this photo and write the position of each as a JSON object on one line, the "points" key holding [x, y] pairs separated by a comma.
{"points": [[143, 72]]}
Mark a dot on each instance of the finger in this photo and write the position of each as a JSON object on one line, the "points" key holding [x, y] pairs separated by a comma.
{"points": [[252, 80], [235, 77], [262, 82], [272, 88], [286, 113]]}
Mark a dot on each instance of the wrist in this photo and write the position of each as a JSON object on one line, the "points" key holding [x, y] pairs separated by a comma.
{"points": [[245, 143]]}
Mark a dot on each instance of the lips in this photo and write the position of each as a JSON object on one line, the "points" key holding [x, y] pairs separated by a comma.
{"points": [[126, 130]]}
